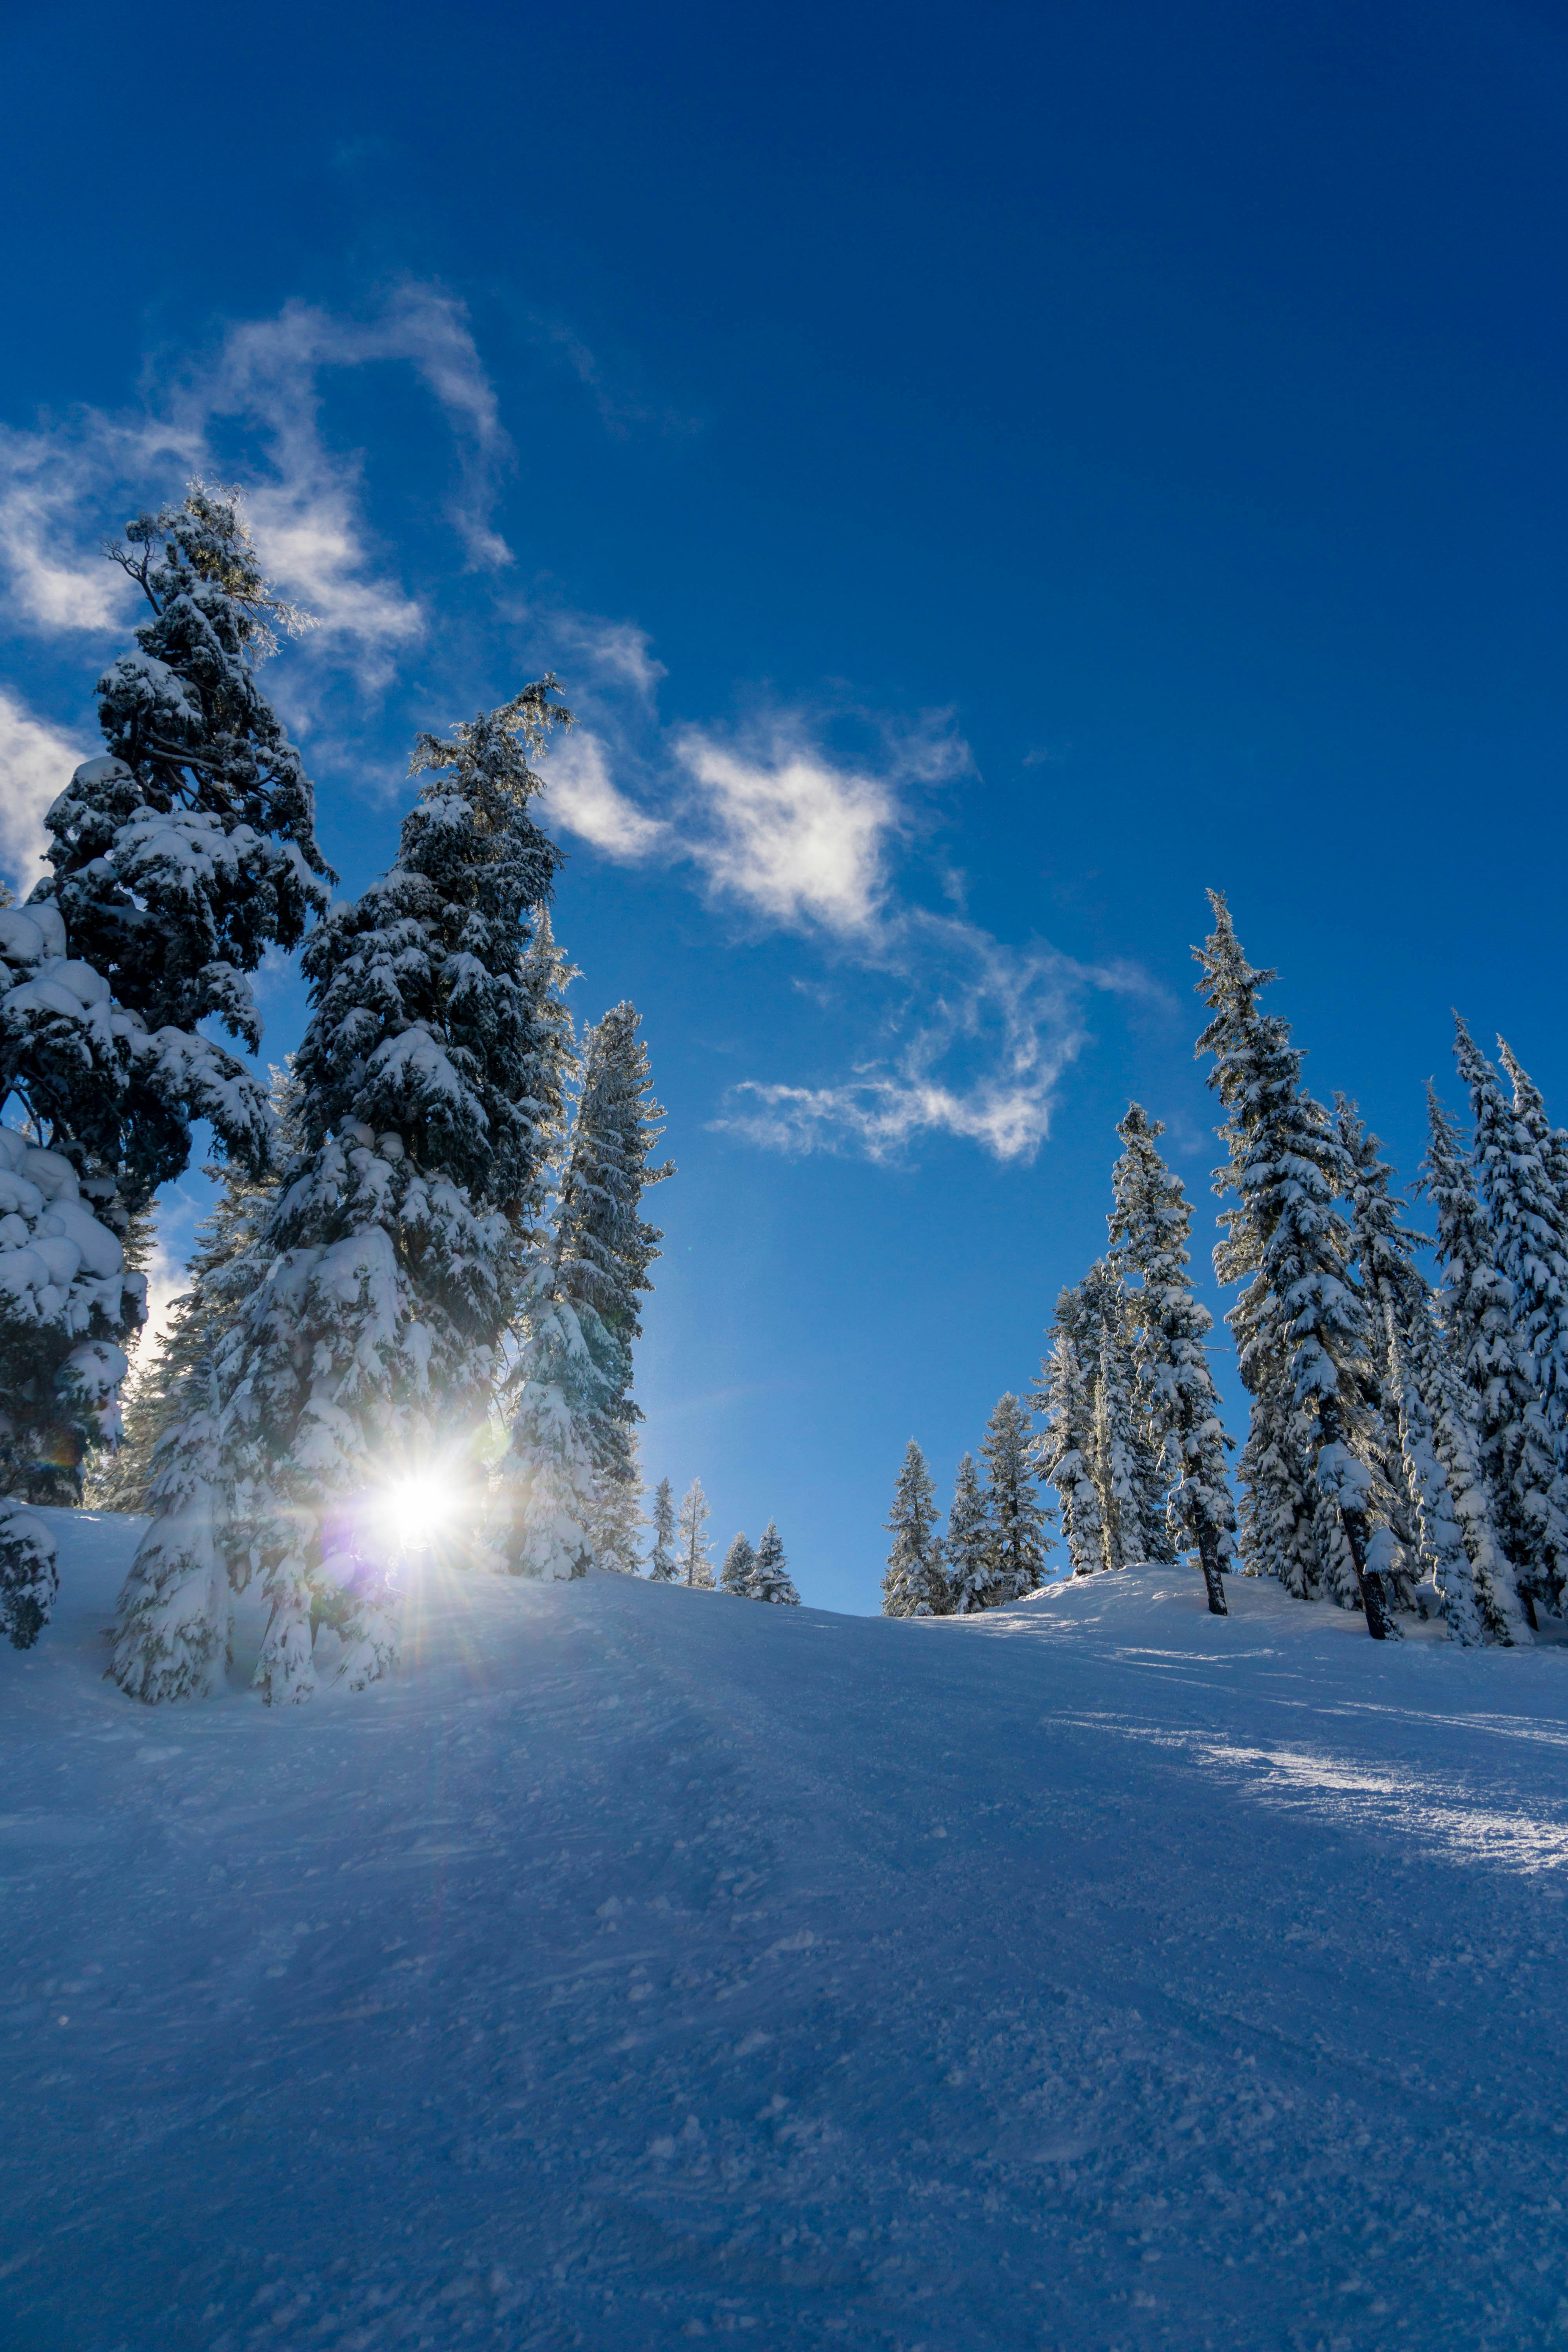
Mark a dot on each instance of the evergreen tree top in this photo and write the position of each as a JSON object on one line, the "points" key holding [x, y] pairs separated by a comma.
{"points": [[771, 1580], [604, 1246], [739, 1561], [469, 831], [436, 993], [189, 849], [1152, 1220], [913, 1517], [1386, 1247], [1286, 1231]]}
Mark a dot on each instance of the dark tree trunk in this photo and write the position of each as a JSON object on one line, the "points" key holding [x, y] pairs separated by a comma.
{"points": [[1208, 1557], [1380, 1622]]}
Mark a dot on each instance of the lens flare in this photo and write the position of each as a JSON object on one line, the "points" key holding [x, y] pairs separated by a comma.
{"points": [[415, 1512]]}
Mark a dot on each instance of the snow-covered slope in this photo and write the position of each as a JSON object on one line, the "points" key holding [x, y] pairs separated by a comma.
{"points": [[644, 1964]]}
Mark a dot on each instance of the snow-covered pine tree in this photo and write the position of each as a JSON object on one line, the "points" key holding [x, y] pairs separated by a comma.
{"points": [[771, 1578], [1534, 1247], [661, 1560], [1123, 1457], [178, 860], [370, 1342], [1116, 1461], [1019, 1520], [67, 1305], [581, 1318], [739, 1561], [157, 1395], [1299, 1324], [1064, 1400], [694, 1562], [191, 849], [618, 1518], [968, 1545], [1167, 1326], [914, 1584], [1435, 1426], [1492, 1291]]}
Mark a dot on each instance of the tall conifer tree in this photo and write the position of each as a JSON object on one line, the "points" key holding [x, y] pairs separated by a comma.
{"points": [[968, 1546], [369, 1346], [1019, 1520], [739, 1561], [1459, 1550], [771, 1578], [570, 1481], [914, 1585], [1063, 1398], [694, 1557], [661, 1561], [1535, 1248], [178, 858], [1299, 1324], [1149, 1230], [1494, 1291]]}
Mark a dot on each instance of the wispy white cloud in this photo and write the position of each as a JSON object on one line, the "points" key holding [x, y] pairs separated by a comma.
{"points": [[982, 1037], [36, 764], [269, 371], [973, 1036], [613, 655], [794, 838], [305, 498], [581, 798], [54, 582]]}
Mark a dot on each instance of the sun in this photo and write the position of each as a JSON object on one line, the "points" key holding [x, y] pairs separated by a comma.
{"points": [[417, 1510]]}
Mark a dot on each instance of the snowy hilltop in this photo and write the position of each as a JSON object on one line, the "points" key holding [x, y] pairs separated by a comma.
{"points": [[627, 1967]]}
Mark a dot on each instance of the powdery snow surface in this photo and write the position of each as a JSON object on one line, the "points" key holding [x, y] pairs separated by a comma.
{"points": [[643, 1965]]}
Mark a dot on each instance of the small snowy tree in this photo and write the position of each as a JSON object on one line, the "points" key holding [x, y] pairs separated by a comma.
{"points": [[693, 1557], [968, 1546], [1149, 1230], [66, 1304], [1063, 1452], [580, 1317], [1116, 1461], [1299, 1323], [219, 1281], [1491, 1305], [771, 1577], [1019, 1520], [1457, 1538], [914, 1584], [1533, 1235], [1124, 1457], [739, 1561], [661, 1560], [618, 1518]]}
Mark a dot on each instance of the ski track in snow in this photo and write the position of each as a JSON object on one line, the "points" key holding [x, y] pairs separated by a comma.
{"points": [[643, 1965]]}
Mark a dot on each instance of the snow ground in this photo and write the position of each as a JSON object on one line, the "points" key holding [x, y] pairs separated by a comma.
{"points": [[642, 1965]]}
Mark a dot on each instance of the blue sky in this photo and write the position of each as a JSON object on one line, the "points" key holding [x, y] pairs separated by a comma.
{"points": [[982, 476]]}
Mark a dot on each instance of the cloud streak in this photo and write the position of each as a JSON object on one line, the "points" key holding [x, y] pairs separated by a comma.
{"points": [[975, 1035], [37, 761], [987, 1034], [305, 500]]}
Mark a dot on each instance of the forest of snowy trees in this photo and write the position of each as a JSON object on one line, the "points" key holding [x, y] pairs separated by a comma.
{"points": [[1408, 1446], [424, 1268], [422, 1271]]}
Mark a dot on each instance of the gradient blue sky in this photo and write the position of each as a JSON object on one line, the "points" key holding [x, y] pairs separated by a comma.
{"points": [[982, 474]]}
